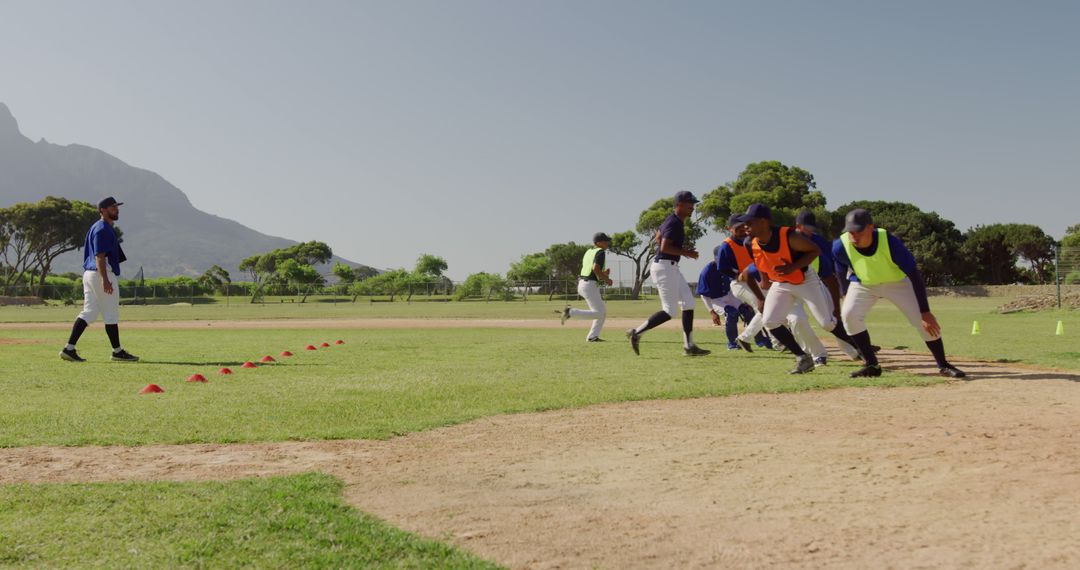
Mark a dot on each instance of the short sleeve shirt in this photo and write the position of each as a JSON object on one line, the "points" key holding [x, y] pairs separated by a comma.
{"points": [[101, 239], [671, 230]]}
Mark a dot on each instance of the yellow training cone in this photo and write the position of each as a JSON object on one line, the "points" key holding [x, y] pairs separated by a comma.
{"points": [[975, 328], [1060, 329]]}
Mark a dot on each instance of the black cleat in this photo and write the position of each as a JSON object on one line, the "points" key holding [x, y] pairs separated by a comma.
{"points": [[803, 364], [124, 356], [564, 314], [695, 350], [71, 356], [951, 371], [744, 345], [868, 371], [594, 339], [635, 339]]}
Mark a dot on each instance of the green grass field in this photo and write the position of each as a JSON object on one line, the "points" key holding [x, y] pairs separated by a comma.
{"points": [[276, 522], [380, 383]]}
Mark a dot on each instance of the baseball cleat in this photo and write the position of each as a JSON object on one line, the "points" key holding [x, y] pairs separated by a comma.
{"points": [[733, 346], [695, 350], [744, 345], [71, 356], [564, 314], [821, 361], [803, 364], [124, 356], [594, 339], [868, 371], [635, 339], [951, 371]]}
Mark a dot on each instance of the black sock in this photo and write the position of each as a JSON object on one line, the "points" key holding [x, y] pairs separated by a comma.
{"points": [[861, 341], [656, 319], [688, 327], [782, 334], [76, 331], [841, 333], [114, 335], [937, 348]]}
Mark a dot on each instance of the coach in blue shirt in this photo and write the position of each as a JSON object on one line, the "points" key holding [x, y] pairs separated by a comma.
{"points": [[102, 255]]}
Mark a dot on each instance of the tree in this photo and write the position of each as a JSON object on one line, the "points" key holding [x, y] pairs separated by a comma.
{"points": [[390, 282], [934, 241], [565, 259], [33, 235], [264, 268], [990, 259], [784, 189], [292, 272], [1031, 244], [344, 273], [483, 284], [531, 267], [640, 244], [430, 266], [215, 278]]}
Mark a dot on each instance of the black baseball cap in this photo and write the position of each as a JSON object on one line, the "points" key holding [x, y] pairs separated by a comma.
{"points": [[600, 236], [857, 220], [754, 212], [110, 201], [685, 196], [734, 220], [806, 218]]}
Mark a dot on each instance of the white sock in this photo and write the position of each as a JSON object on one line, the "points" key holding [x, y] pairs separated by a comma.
{"points": [[118, 350], [687, 340], [69, 347]]}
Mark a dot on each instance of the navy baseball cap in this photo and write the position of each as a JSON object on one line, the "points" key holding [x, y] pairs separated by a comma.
{"points": [[600, 236], [806, 218], [857, 220], [734, 220], [685, 196], [754, 212], [110, 201]]}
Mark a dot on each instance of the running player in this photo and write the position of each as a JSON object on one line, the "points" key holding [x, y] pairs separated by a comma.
{"points": [[675, 294], [882, 267], [593, 272]]}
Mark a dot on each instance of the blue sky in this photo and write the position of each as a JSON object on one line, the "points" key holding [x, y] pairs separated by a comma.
{"points": [[480, 131]]}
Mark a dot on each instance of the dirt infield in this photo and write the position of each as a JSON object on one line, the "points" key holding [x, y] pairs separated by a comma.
{"points": [[967, 474]]}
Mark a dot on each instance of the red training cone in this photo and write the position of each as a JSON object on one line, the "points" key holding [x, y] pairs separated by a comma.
{"points": [[310, 347], [267, 358], [248, 364], [196, 378], [339, 342], [224, 371], [151, 389], [325, 345], [286, 353]]}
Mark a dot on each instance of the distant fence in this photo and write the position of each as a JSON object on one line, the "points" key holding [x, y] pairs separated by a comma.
{"points": [[434, 291]]}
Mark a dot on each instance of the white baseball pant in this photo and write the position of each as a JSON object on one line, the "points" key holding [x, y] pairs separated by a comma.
{"points": [[590, 291], [861, 298], [744, 294], [782, 297], [671, 286], [96, 301]]}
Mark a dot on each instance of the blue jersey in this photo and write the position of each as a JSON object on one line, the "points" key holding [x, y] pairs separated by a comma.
{"points": [[725, 261], [711, 283], [102, 239], [900, 255], [827, 264]]}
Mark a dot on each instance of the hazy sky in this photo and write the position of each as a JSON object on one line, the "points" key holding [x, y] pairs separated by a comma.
{"points": [[480, 131]]}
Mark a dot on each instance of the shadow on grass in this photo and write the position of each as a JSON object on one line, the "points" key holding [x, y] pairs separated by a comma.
{"points": [[978, 371]]}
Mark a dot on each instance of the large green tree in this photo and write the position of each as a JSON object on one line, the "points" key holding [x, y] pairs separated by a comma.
{"points": [[533, 267], [990, 260], [430, 266], [34, 234], [264, 267], [934, 240], [784, 189]]}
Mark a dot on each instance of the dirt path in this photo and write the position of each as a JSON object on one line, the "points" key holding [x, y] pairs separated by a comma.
{"points": [[967, 474]]}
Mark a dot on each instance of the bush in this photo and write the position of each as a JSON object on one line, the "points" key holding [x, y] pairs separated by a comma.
{"points": [[486, 285]]}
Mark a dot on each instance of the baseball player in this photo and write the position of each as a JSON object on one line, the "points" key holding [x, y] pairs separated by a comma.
{"points": [[102, 255], [783, 255], [593, 272], [675, 293], [732, 258], [882, 267], [714, 289], [825, 266], [797, 321]]}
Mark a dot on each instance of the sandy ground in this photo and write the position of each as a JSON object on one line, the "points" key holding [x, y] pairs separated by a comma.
{"points": [[976, 474]]}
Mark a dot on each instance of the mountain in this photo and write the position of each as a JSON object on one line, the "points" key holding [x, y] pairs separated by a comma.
{"points": [[163, 232]]}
